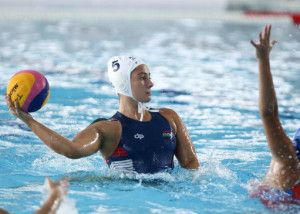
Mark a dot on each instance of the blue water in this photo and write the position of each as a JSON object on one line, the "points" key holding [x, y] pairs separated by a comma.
{"points": [[206, 71]]}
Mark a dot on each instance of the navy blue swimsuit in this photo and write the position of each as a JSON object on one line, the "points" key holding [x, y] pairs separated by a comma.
{"points": [[145, 147], [296, 143]]}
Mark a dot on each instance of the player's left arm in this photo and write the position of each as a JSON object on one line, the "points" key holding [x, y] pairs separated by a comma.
{"points": [[185, 151]]}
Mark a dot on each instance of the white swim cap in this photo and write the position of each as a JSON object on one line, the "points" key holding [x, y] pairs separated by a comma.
{"points": [[119, 71]]}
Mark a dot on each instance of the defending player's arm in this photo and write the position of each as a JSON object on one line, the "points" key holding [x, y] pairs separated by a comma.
{"points": [[279, 143]]}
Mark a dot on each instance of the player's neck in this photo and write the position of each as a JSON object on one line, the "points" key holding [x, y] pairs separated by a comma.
{"points": [[129, 108]]}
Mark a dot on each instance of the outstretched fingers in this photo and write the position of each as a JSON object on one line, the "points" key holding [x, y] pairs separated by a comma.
{"points": [[273, 43], [60, 187], [264, 35], [269, 27], [10, 104], [268, 33], [264, 46], [260, 38], [64, 185], [264, 40], [17, 107], [253, 43]]}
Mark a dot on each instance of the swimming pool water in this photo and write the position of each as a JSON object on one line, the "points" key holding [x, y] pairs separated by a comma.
{"points": [[206, 71]]}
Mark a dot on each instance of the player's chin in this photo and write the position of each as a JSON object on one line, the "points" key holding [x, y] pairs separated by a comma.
{"points": [[147, 99]]}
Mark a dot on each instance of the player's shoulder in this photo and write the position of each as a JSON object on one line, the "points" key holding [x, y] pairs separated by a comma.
{"points": [[106, 125], [168, 112]]}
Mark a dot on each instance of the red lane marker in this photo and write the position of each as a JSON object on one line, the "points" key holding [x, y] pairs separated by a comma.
{"points": [[295, 16]]}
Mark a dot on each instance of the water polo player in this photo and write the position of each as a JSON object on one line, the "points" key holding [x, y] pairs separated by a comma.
{"points": [[284, 172], [135, 138]]}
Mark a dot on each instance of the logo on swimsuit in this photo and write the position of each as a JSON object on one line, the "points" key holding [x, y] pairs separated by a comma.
{"points": [[138, 136], [168, 134]]}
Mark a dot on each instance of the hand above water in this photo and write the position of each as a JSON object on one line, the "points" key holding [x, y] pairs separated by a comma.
{"points": [[58, 188], [14, 108], [57, 191], [264, 46]]}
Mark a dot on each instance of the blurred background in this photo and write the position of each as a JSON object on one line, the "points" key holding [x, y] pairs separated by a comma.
{"points": [[145, 9]]}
